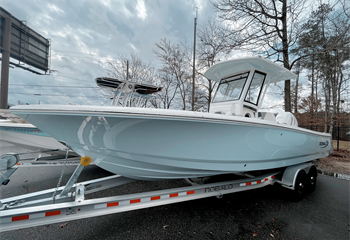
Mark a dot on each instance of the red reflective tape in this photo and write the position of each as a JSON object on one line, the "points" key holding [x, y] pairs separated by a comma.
{"points": [[155, 198], [266, 179], [258, 182], [174, 195], [273, 177], [53, 213], [112, 204], [190, 192], [19, 218], [135, 201], [248, 183]]}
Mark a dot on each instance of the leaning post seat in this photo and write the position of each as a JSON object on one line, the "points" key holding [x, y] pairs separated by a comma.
{"points": [[286, 118]]}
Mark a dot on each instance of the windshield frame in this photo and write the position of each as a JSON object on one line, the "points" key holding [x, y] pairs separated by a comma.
{"points": [[227, 80], [261, 88]]}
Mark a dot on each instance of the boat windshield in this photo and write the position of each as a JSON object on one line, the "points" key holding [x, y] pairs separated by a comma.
{"points": [[255, 88], [231, 88]]}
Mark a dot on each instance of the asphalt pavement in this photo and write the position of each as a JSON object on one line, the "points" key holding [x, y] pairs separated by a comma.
{"points": [[266, 213]]}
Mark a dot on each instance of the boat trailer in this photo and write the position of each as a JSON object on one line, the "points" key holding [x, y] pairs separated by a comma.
{"points": [[68, 202]]}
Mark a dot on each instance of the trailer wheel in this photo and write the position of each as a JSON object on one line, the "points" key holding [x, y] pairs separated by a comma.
{"points": [[300, 187], [311, 179]]}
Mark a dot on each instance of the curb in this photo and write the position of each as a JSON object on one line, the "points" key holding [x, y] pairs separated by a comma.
{"points": [[333, 174]]}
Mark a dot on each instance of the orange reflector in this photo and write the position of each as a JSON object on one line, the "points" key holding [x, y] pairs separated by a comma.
{"points": [[85, 161], [174, 195], [135, 201], [155, 198], [112, 204], [53, 213], [19, 218]]}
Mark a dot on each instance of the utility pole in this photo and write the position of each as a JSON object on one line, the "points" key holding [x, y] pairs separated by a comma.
{"points": [[194, 58], [127, 70]]}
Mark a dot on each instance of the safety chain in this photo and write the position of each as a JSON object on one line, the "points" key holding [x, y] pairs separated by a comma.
{"points": [[59, 181]]}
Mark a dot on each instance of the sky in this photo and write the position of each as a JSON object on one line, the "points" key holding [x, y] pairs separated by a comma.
{"points": [[85, 34]]}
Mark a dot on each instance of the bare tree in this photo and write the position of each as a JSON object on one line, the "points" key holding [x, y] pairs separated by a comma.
{"points": [[295, 88], [174, 60], [212, 47], [268, 26], [325, 49], [308, 104], [165, 98], [139, 71]]}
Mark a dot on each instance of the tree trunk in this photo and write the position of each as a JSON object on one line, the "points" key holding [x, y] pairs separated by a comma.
{"points": [[312, 85], [296, 90], [287, 99]]}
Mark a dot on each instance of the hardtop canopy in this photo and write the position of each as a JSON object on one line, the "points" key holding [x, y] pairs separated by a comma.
{"points": [[275, 72]]}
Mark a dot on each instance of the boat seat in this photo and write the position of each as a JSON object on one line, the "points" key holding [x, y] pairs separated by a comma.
{"points": [[286, 118], [267, 116]]}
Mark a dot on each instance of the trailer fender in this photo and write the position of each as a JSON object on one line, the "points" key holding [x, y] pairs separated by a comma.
{"points": [[290, 174]]}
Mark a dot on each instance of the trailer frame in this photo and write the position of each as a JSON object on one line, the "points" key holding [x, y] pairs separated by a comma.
{"points": [[68, 202]]}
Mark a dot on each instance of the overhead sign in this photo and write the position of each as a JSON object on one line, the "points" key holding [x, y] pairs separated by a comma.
{"points": [[27, 46]]}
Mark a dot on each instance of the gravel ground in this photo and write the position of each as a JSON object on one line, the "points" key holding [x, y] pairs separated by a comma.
{"points": [[338, 162]]}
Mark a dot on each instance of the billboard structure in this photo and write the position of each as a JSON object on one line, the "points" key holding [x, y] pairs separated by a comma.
{"points": [[27, 46], [20, 42]]}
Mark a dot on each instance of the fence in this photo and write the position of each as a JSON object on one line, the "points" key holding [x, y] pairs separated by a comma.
{"points": [[339, 132]]}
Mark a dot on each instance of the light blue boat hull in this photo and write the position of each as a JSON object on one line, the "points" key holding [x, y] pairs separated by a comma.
{"points": [[155, 147]]}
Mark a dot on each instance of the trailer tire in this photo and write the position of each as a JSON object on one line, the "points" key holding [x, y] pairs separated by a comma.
{"points": [[312, 179], [300, 187]]}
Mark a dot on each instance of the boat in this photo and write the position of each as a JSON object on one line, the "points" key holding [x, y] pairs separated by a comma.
{"points": [[18, 132], [155, 144]]}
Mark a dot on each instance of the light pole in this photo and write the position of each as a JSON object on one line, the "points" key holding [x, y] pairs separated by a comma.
{"points": [[194, 59]]}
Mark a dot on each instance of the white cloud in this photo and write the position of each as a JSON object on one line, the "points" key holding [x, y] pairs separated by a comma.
{"points": [[132, 46], [85, 34], [141, 9], [199, 5], [106, 2], [54, 8]]}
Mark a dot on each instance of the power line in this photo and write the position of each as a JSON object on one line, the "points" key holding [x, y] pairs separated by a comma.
{"points": [[73, 52], [89, 54], [55, 95], [92, 56], [78, 57], [72, 74], [28, 85], [59, 75]]}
